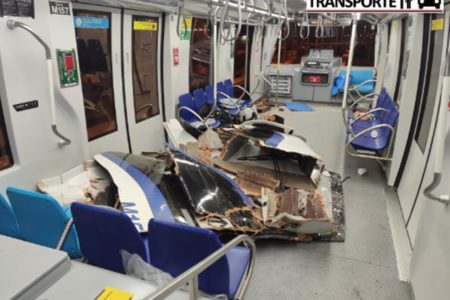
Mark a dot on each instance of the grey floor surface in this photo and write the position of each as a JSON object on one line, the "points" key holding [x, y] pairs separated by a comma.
{"points": [[364, 266]]}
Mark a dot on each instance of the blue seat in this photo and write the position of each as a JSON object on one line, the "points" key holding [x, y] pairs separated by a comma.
{"points": [[103, 232], [201, 101], [176, 247], [362, 75], [188, 101], [376, 113], [8, 222], [209, 91], [42, 220], [221, 92], [378, 138], [229, 88], [357, 77]]}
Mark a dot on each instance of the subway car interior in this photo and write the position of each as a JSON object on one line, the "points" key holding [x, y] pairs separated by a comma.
{"points": [[309, 146]]}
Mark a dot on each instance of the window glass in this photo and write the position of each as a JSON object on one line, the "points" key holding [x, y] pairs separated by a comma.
{"points": [[17, 8], [6, 159], [93, 33], [145, 72], [241, 56], [200, 68], [337, 38], [430, 84]]}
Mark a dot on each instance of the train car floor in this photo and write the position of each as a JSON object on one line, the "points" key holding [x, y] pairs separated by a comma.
{"points": [[362, 267]]}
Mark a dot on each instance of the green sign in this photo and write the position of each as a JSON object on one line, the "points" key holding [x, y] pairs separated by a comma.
{"points": [[185, 35], [68, 67]]}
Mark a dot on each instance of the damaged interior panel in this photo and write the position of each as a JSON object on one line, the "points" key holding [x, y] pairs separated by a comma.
{"points": [[242, 186], [231, 180]]}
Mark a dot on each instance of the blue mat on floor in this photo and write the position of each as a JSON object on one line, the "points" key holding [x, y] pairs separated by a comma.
{"points": [[298, 106]]}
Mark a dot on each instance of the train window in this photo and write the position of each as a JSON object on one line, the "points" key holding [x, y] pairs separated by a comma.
{"points": [[336, 38], [242, 57], [145, 61], [17, 8], [435, 39], [200, 67], [93, 34], [6, 159]]}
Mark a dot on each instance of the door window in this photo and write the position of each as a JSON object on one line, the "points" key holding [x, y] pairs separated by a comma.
{"points": [[201, 54], [293, 48], [6, 159], [431, 79], [93, 34], [242, 57], [145, 72]]}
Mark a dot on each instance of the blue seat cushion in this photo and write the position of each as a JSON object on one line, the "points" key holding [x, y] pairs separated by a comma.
{"points": [[369, 143], [8, 222], [238, 259], [103, 232], [42, 220]]}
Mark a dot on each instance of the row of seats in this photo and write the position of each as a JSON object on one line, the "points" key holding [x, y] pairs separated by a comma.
{"points": [[374, 129], [202, 100], [99, 233]]}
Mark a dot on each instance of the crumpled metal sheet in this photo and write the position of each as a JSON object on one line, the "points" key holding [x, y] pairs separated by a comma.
{"points": [[208, 189]]}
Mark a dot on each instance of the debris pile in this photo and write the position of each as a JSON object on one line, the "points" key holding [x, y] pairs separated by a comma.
{"points": [[287, 193], [257, 178]]}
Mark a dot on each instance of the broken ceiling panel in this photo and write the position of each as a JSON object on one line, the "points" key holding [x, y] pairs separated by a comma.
{"points": [[208, 189]]}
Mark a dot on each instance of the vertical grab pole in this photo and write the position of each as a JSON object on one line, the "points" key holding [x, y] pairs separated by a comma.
{"points": [[278, 63], [214, 41], [349, 66]]}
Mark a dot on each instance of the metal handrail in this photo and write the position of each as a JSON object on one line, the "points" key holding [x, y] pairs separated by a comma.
{"points": [[361, 133], [356, 87], [364, 98], [178, 115], [11, 24], [191, 275]]}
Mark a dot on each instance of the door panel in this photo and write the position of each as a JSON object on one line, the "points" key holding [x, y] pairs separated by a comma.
{"points": [[430, 260], [432, 69], [97, 32], [142, 37]]}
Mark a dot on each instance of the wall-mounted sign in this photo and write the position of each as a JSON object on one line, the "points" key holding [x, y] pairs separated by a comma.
{"points": [[145, 25], [377, 6], [186, 27], [67, 66], [59, 8], [17, 8], [176, 56], [91, 22], [437, 24], [26, 105]]}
